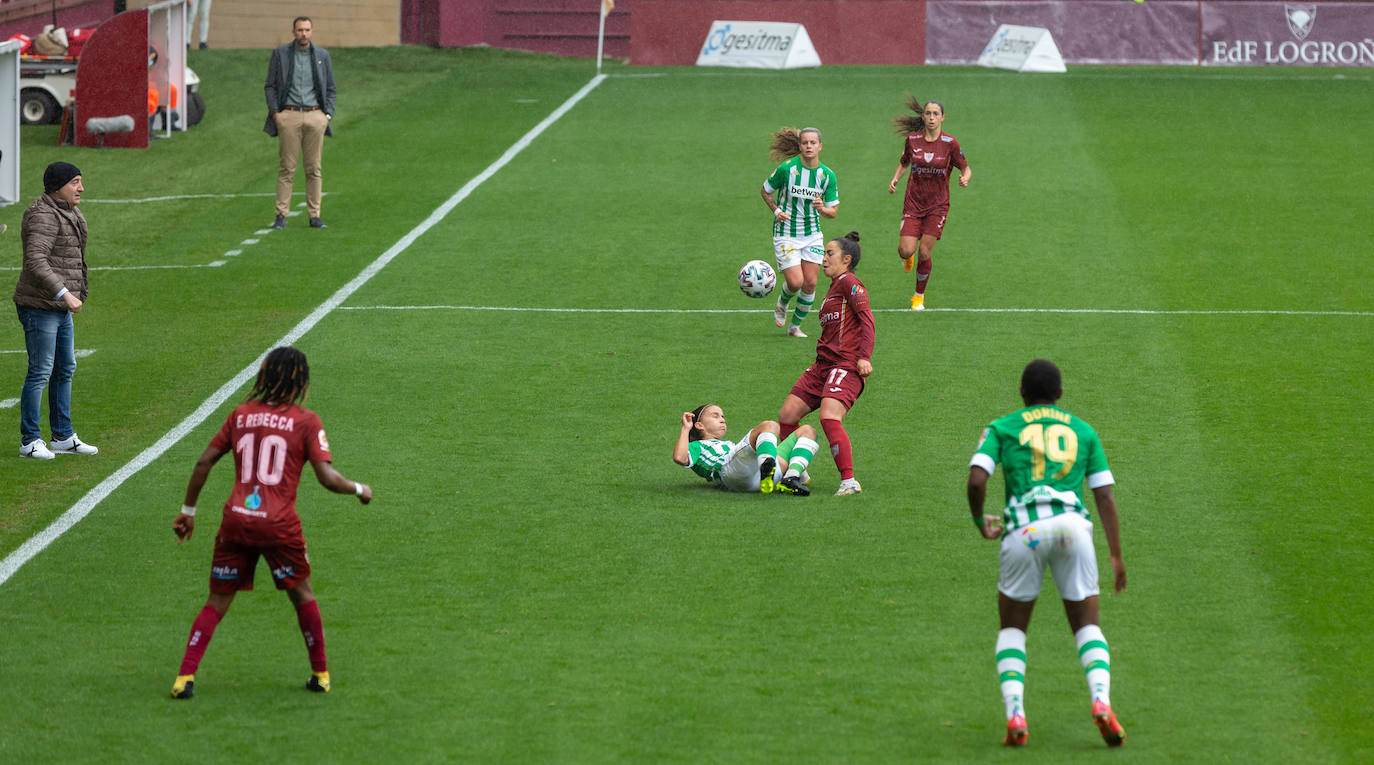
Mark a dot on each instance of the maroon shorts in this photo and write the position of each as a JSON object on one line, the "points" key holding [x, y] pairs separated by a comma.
{"points": [[920, 225], [818, 382], [234, 563]]}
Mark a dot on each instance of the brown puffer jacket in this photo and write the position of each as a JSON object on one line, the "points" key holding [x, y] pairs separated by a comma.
{"points": [[54, 236]]}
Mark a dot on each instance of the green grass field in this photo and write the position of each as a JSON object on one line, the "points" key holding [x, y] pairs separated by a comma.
{"points": [[536, 581]]}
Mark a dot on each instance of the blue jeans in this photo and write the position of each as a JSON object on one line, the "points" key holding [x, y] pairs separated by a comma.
{"points": [[52, 362]]}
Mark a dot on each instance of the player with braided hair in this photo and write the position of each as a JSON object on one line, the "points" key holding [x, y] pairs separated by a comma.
{"points": [[272, 436]]}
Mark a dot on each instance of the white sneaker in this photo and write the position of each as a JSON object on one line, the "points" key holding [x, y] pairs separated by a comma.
{"points": [[795, 332], [779, 314], [848, 486], [73, 445], [36, 450]]}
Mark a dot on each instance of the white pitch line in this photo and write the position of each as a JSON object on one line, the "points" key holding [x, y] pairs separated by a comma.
{"points": [[9, 402], [87, 503], [1142, 311], [175, 197]]}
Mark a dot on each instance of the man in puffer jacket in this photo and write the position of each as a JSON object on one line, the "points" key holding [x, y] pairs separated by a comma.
{"points": [[52, 287]]}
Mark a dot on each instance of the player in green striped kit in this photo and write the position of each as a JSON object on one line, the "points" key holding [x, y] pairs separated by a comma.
{"points": [[798, 193], [758, 462], [1047, 455]]}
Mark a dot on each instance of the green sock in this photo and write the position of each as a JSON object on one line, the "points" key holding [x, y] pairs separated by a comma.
{"points": [[804, 301], [800, 454]]}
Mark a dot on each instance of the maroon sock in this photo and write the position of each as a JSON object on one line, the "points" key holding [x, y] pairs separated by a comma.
{"points": [[202, 629], [308, 616], [923, 276], [839, 447], [785, 429]]}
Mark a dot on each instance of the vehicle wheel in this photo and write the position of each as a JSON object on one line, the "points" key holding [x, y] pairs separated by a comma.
{"points": [[195, 109], [38, 108]]}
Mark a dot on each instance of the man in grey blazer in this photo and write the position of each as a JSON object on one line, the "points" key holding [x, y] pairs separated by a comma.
{"points": [[300, 106]]}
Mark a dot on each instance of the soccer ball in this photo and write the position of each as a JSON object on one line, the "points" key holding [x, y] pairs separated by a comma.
{"points": [[756, 279]]}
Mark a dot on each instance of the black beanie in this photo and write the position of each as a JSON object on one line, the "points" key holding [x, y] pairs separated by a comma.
{"points": [[57, 175]]}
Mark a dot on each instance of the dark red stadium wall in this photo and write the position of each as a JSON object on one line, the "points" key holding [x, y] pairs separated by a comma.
{"points": [[671, 32], [29, 16], [112, 80], [565, 27]]}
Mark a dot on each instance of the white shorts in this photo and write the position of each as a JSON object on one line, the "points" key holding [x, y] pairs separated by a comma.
{"points": [[741, 469], [790, 251], [1065, 543]]}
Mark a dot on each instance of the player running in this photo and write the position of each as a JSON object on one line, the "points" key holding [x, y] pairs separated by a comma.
{"points": [[843, 358], [753, 463], [929, 153], [799, 192], [272, 437], [1048, 454]]}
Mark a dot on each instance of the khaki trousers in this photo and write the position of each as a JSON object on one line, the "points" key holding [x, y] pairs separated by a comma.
{"points": [[300, 133]]}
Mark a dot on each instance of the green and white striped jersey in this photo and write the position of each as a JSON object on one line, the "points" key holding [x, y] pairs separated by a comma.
{"points": [[793, 186], [708, 456], [1046, 453]]}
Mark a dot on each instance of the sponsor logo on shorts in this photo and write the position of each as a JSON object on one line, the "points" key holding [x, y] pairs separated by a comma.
{"points": [[283, 572], [224, 572]]}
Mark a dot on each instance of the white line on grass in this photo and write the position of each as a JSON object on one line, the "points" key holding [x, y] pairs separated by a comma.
{"points": [[189, 196], [86, 504], [1143, 311]]}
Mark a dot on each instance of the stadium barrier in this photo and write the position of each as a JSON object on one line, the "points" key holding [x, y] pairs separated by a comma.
{"points": [[1205, 32]]}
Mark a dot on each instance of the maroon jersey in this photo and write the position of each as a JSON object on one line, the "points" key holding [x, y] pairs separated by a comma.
{"points": [[927, 187], [847, 331], [271, 445]]}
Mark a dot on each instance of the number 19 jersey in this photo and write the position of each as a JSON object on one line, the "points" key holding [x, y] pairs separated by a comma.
{"points": [[1046, 454], [271, 445]]}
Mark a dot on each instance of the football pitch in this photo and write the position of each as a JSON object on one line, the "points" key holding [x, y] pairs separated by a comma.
{"points": [[529, 275]]}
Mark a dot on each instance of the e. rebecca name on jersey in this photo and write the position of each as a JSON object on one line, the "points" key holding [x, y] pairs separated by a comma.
{"points": [[265, 420]]}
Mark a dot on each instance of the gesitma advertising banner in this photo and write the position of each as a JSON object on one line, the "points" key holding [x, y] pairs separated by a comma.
{"points": [[758, 45], [1287, 34]]}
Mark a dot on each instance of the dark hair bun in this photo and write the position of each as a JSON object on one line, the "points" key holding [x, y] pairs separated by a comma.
{"points": [[852, 236]]}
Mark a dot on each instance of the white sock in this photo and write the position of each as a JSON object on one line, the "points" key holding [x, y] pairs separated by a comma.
{"points": [[1011, 669], [802, 453], [1097, 662]]}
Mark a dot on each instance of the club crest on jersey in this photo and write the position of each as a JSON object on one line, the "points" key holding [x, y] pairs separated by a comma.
{"points": [[929, 155]]}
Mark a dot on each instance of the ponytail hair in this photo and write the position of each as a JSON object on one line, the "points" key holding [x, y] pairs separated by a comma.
{"points": [[787, 142], [916, 121], [849, 245]]}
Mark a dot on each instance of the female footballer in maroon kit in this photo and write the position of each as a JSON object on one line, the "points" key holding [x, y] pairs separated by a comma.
{"points": [[929, 153], [272, 437], [843, 358]]}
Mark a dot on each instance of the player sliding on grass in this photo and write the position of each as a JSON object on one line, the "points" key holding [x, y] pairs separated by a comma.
{"points": [[928, 153], [272, 437], [843, 358], [753, 463], [1048, 454], [798, 193]]}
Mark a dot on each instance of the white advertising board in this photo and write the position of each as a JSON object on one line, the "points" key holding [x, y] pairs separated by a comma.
{"points": [[1022, 49], [758, 45]]}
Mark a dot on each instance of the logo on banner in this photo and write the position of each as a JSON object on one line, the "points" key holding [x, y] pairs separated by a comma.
{"points": [[1300, 18]]}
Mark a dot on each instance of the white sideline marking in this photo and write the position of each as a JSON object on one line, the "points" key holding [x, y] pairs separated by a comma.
{"points": [[38, 542], [1147, 312], [232, 253], [125, 268], [249, 241], [188, 196], [81, 353]]}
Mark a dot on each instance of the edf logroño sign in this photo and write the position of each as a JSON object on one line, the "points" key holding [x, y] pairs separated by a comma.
{"points": [[1288, 34], [758, 45]]}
